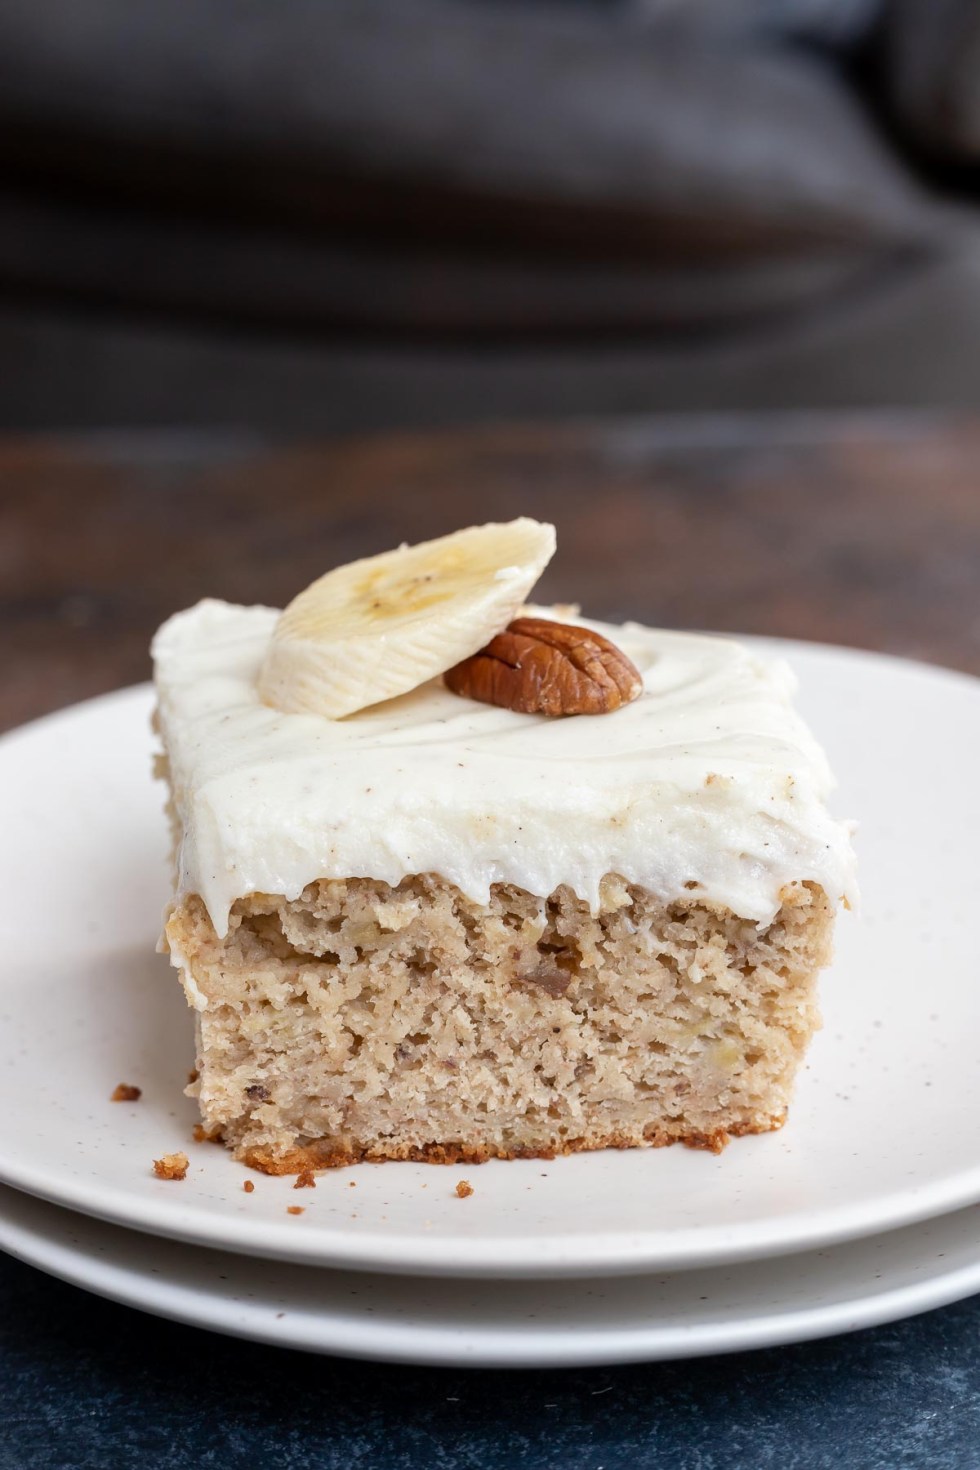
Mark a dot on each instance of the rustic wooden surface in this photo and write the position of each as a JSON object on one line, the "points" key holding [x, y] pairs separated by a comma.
{"points": [[847, 530]]}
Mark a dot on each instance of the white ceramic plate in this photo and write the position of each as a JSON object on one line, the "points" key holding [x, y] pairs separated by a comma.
{"points": [[531, 1324], [883, 1131]]}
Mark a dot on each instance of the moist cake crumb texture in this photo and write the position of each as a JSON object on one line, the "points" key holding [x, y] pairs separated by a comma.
{"points": [[369, 1022]]}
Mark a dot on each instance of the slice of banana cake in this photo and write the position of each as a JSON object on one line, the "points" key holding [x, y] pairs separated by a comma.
{"points": [[457, 878]]}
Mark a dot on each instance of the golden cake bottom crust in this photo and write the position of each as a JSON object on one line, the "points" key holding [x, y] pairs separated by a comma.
{"points": [[321, 1155], [369, 1022]]}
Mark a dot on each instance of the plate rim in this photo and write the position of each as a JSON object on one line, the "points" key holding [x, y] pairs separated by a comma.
{"points": [[527, 1258], [515, 1346]]}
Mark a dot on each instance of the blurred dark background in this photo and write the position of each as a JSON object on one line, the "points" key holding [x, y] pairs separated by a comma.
{"points": [[333, 215]]}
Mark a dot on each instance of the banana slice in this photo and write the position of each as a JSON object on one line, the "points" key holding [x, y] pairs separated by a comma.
{"points": [[379, 627]]}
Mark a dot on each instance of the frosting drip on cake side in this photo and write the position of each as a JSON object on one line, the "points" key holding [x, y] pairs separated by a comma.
{"points": [[709, 786]]}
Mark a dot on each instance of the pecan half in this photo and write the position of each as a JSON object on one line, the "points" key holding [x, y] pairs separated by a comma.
{"points": [[538, 667]]}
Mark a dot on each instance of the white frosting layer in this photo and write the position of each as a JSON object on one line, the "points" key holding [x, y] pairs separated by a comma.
{"points": [[709, 778]]}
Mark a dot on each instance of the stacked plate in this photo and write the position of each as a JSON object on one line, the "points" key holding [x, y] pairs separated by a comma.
{"points": [[866, 1207]]}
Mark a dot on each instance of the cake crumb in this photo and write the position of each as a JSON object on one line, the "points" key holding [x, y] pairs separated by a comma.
{"points": [[352, 1184], [126, 1092], [204, 1135], [171, 1166], [248, 1186], [294, 1209], [305, 1180], [464, 1189]]}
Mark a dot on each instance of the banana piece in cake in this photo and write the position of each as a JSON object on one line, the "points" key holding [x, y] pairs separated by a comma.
{"points": [[441, 929]]}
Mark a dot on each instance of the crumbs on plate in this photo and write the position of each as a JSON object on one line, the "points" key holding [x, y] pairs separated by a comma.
{"points": [[171, 1166]]}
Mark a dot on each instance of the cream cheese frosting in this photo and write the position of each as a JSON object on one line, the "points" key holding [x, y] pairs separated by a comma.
{"points": [[707, 786]]}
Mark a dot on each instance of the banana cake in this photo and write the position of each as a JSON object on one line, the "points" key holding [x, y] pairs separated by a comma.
{"points": [[458, 878]]}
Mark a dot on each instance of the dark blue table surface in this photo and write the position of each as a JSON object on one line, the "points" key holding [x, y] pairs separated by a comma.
{"points": [[90, 1385]]}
